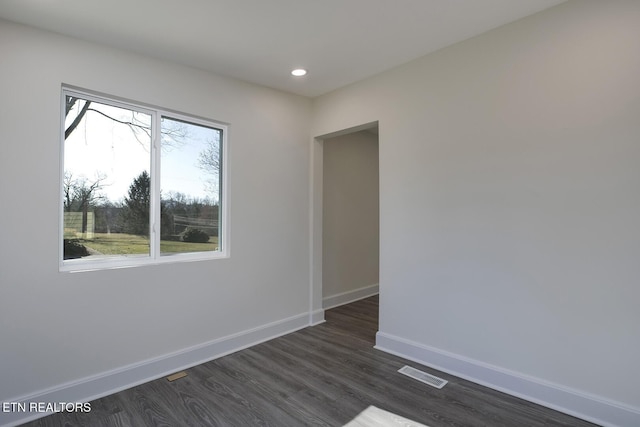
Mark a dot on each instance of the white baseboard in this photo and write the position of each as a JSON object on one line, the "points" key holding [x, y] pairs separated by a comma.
{"points": [[349, 296], [96, 386], [589, 407], [316, 317]]}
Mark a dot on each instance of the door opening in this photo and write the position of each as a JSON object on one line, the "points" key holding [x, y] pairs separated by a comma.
{"points": [[345, 217]]}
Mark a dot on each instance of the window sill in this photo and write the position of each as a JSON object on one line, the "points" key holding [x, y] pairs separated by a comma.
{"points": [[131, 261]]}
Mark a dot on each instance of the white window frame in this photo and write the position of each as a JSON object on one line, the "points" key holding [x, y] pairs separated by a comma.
{"points": [[154, 257]]}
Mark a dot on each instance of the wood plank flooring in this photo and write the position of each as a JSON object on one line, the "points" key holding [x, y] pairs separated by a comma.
{"points": [[320, 376]]}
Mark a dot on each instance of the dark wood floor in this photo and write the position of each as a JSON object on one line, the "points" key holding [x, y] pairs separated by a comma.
{"points": [[323, 376]]}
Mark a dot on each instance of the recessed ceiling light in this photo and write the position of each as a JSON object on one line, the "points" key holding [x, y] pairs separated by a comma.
{"points": [[299, 72]]}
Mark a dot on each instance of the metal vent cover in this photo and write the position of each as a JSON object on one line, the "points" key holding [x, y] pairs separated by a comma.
{"points": [[423, 377]]}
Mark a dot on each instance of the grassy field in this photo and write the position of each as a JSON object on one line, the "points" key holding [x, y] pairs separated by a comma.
{"points": [[122, 244]]}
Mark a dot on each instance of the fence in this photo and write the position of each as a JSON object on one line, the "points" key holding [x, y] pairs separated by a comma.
{"points": [[73, 225], [208, 225]]}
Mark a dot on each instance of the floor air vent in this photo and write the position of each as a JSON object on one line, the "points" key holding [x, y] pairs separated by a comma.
{"points": [[423, 377]]}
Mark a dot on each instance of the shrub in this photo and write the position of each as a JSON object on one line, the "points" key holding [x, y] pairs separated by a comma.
{"points": [[194, 235], [74, 249]]}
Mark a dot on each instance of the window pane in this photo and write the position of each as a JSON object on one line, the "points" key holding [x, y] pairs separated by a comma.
{"points": [[106, 180], [190, 187]]}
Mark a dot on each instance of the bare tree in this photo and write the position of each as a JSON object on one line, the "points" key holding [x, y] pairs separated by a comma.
{"points": [[209, 162], [68, 187], [70, 102], [173, 135], [81, 193]]}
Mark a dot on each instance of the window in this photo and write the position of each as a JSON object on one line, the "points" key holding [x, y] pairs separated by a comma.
{"points": [[139, 185]]}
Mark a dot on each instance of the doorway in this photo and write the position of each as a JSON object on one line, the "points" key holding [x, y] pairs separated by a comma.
{"points": [[345, 218]]}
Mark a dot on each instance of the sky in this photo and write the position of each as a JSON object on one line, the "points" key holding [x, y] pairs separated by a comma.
{"points": [[100, 146]]}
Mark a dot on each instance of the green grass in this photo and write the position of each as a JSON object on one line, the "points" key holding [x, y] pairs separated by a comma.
{"points": [[129, 244], [171, 246]]}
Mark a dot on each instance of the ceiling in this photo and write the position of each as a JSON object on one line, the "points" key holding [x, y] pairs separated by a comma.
{"points": [[260, 41]]}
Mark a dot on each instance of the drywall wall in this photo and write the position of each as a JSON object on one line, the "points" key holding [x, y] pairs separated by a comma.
{"points": [[509, 201], [350, 215], [60, 328]]}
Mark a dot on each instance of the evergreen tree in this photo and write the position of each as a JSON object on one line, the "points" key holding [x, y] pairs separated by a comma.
{"points": [[135, 214]]}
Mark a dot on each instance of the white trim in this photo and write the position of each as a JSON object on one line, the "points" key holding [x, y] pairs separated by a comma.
{"points": [[579, 404], [315, 229], [113, 381], [350, 296], [315, 246], [349, 130], [316, 317]]}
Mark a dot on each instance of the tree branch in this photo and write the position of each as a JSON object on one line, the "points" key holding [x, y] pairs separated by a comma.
{"points": [[77, 120], [145, 129]]}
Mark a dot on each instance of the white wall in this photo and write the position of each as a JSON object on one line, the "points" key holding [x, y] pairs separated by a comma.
{"points": [[57, 328], [509, 204], [350, 217]]}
